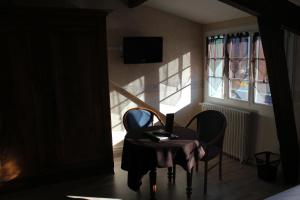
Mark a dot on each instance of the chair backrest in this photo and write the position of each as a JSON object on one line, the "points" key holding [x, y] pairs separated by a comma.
{"points": [[211, 126], [139, 117]]}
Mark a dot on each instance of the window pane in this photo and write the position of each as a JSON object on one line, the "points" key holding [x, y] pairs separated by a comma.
{"points": [[261, 71], [234, 48], [211, 49], [219, 68], [238, 47], [243, 47], [216, 87], [239, 69], [216, 67], [211, 67], [219, 48], [258, 49], [238, 90], [262, 94]]}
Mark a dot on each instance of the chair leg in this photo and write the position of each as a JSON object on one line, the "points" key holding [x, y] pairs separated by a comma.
{"points": [[220, 166], [205, 177]]}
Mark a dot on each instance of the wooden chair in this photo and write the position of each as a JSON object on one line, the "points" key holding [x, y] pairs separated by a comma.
{"points": [[211, 127], [139, 117]]}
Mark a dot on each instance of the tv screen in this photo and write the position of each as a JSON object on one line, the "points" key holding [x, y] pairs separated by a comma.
{"points": [[142, 50]]}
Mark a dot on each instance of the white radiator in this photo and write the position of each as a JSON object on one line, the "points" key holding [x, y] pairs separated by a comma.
{"points": [[237, 130]]}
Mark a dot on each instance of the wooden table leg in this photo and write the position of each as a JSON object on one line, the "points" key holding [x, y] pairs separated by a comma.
{"points": [[189, 176], [170, 174], [152, 178]]}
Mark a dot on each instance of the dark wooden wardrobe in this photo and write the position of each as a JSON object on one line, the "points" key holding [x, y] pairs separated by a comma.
{"points": [[54, 111]]}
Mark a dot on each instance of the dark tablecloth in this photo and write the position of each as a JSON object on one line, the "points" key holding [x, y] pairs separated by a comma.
{"points": [[141, 154]]}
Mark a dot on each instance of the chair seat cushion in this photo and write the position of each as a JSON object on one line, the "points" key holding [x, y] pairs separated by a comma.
{"points": [[138, 119]]}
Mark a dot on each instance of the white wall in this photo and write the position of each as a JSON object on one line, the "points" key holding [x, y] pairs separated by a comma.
{"points": [[175, 85]]}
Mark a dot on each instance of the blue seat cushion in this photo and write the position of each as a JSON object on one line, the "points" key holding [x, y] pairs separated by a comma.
{"points": [[138, 119]]}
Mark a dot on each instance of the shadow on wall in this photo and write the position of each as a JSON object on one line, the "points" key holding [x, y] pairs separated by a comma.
{"points": [[90, 198], [174, 92], [252, 137]]}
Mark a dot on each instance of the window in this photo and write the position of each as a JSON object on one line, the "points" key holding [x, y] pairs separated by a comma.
{"points": [[232, 60], [238, 57], [216, 60], [262, 94]]}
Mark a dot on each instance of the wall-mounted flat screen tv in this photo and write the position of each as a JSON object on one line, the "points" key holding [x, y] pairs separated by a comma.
{"points": [[138, 50]]}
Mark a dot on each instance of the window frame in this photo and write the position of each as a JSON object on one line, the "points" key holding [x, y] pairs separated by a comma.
{"points": [[250, 104]]}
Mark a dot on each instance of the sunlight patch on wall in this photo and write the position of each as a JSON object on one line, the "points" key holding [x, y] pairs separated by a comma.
{"points": [[120, 104], [168, 70], [175, 85], [186, 60]]}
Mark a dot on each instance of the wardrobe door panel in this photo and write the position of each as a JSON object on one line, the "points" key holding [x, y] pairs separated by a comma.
{"points": [[54, 108], [79, 72]]}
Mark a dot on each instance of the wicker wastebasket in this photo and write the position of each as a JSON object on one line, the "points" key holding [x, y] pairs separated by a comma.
{"points": [[267, 164]]}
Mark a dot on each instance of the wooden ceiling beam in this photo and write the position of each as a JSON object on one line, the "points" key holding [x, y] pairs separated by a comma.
{"points": [[135, 3], [282, 12], [290, 17], [252, 7], [281, 98]]}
